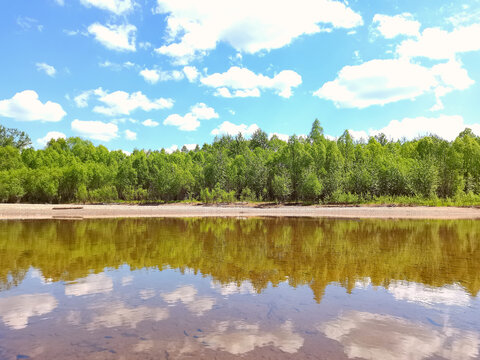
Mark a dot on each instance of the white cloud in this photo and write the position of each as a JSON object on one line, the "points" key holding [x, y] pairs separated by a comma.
{"points": [[283, 137], [393, 26], [446, 126], [82, 99], [358, 135], [50, 135], [175, 147], [239, 337], [224, 92], [191, 73], [190, 121], [203, 112], [92, 284], [392, 337], [248, 26], [26, 23], [171, 149], [145, 45], [467, 16], [25, 106], [150, 76], [150, 123], [435, 43], [16, 310], [450, 295], [60, 2], [130, 135], [121, 102], [118, 7], [229, 128], [95, 130], [379, 82], [190, 147], [153, 75], [118, 315], [244, 82], [115, 37], [226, 289], [146, 294], [47, 69], [188, 295], [116, 66]]}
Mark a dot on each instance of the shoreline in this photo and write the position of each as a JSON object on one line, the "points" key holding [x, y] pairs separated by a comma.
{"points": [[76, 211]]}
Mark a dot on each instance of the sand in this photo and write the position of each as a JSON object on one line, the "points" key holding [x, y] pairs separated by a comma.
{"points": [[69, 211]]}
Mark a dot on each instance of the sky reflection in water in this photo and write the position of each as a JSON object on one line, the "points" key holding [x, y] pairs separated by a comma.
{"points": [[274, 288]]}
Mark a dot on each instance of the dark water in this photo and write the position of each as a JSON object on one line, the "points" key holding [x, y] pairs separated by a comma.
{"points": [[250, 288]]}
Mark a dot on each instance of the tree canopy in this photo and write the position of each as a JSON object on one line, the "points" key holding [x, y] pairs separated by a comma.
{"points": [[310, 168]]}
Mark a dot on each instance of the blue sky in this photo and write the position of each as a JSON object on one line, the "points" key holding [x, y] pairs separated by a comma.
{"points": [[164, 73]]}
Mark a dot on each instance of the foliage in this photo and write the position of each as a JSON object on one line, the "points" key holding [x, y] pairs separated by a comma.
{"points": [[311, 252], [312, 169]]}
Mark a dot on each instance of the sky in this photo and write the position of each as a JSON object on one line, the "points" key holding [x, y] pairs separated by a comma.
{"points": [[152, 74]]}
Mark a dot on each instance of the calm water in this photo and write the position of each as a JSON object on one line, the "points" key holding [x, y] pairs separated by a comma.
{"points": [[250, 288]]}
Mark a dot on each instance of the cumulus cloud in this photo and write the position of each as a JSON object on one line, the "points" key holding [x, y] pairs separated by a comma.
{"points": [[92, 284], [196, 27], [446, 126], [118, 315], [150, 123], [130, 135], [379, 82], [391, 337], [118, 7], [121, 102], [153, 75], [190, 121], [393, 26], [191, 73], [226, 289], [239, 337], [16, 310], [47, 69], [283, 137], [450, 295], [228, 128], [190, 147], [171, 149], [25, 106], [95, 130], [435, 43], [242, 82], [175, 147], [197, 305], [50, 135], [115, 37]]}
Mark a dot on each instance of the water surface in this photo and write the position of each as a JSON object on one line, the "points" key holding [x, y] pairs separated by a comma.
{"points": [[252, 288]]}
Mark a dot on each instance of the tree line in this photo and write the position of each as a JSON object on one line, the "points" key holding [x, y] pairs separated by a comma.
{"points": [[312, 169]]}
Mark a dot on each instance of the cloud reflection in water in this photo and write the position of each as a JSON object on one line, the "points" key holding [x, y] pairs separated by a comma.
{"points": [[198, 305], [92, 284], [374, 336], [239, 337], [16, 310], [117, 314]]}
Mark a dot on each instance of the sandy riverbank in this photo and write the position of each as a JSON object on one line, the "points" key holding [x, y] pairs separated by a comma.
{"points": [[34, 211]]}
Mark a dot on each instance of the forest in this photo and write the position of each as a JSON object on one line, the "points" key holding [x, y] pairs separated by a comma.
{"points": [[311, 169]]}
